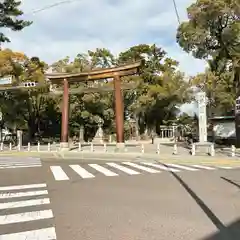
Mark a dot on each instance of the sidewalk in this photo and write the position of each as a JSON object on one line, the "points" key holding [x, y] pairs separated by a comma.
{"points": [[126, 156]]}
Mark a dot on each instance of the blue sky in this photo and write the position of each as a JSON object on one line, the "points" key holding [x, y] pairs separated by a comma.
{"points": [[80, 25]]}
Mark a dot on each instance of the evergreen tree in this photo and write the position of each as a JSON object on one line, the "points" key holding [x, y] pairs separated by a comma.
{"points": [[9, 11]]}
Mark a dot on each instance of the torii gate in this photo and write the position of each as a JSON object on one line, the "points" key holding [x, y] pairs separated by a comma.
{"points": [[116, 73]]}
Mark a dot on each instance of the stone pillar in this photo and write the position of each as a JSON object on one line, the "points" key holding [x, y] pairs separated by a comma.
{"points": [[19, 138], [119, 110], [64, 145], [81, 134], [202, 115]]}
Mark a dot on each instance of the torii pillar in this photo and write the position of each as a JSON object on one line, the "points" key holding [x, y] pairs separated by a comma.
{"points": [[119, 111], [64, 145], [119, 114]]}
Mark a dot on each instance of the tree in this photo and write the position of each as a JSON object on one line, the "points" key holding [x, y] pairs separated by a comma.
{"points": [[9, 13], [11, 63], [160, 87], [219, 89], [25, 108], [212, 32], [101, 58], [87, 108]]}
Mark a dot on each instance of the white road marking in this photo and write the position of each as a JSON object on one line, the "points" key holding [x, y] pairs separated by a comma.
{"points": [[203, 167], [181, 167], [39, 234], [23, 194], [81, 171], [25, 203], [25, 217], [150, 170], [13, 158], [226, 167], [19, 162], [103, 170], [19, 187], [7, 163], [161, 167], [19, 159], [123, 169], [24, 166], [58, 173]]}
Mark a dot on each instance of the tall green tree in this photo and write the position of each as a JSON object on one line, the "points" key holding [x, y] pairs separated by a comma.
{"points": [[157, 90], [212, 32], [160, 87], [9, 18], [86, 108], [219, 89]]}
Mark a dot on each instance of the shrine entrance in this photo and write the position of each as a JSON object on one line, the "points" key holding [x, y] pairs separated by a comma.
{"points": [[65, 79]]}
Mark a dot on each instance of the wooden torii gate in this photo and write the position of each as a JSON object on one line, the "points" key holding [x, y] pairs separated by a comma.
{"points": [[101, 74]]}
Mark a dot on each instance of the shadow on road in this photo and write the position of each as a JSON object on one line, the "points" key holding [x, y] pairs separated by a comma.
{"points": [[231, 232], [231, 182]]}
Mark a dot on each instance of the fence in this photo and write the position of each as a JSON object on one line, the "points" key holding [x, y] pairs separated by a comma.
{"points": [[172, 148]]}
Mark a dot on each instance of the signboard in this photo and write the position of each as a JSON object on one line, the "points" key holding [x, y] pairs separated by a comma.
{"points": [[237, 121], [237, 105], [6, 80]]}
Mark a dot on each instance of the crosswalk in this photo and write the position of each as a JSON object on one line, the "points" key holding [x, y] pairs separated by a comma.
{"points": [[23, 209], [112, 169], [19, 162]]}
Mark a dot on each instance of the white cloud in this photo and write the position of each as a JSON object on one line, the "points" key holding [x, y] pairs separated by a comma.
{"points": [[81, 25]]}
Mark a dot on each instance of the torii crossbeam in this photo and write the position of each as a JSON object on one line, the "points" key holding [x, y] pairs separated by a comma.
{"points": [[116, 73]]}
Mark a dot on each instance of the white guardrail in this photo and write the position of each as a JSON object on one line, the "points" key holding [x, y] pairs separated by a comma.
{"points": [[91, 147]]}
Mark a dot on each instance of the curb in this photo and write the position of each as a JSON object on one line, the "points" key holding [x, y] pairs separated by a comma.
{"points": [[210, 163], [117, 157]]}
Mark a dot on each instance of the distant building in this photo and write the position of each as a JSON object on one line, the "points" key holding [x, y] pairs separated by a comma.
{"points": [[223, 128]]}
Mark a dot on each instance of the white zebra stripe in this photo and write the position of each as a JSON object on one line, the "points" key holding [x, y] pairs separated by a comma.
{"points": [[19, 162], [203, 167], [23, 194], [225, 167], [182, 167], [23, 166], [150, 170], [103, 170], [58, 173], [25, 203], [123, 169], [161, 167], [20, 187], [18, 218], [81, 171], [39, 234], [25, 217]]}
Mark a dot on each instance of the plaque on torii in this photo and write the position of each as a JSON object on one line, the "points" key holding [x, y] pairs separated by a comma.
{"points": [[95, 75]]}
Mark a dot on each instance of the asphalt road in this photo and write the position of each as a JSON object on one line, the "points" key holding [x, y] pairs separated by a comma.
{"points": [[174, 205]]}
